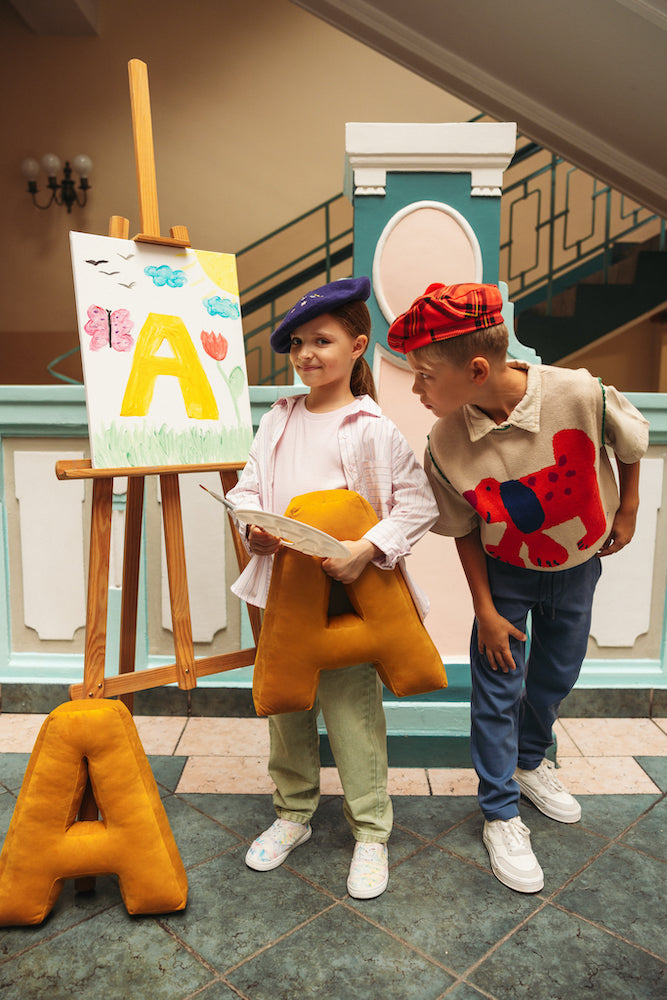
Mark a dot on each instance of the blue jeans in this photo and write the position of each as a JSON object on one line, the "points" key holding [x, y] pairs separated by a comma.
{"points": [[512, 714]]}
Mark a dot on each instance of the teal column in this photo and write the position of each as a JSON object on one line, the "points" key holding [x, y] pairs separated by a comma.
{"points": [[392, 170]]}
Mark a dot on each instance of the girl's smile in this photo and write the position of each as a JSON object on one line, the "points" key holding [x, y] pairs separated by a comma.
{"points": [[323, 354]]}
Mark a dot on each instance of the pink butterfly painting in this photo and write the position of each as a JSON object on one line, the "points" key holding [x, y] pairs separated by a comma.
{"points": [[109, 328]]}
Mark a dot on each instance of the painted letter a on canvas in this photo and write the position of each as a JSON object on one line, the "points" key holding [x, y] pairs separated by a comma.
{"points": [[162, 353]]}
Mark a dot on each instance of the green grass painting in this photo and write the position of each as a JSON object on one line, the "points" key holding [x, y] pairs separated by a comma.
{"points": [[120, 446]]}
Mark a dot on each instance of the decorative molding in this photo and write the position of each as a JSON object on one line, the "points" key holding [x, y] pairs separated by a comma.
{"points": [[585, 139], [483, 149], [391, 225]]}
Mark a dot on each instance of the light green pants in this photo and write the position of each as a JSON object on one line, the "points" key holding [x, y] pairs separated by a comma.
{"points": [[351, 703]]}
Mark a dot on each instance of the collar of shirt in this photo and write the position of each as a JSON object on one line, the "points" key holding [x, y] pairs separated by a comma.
{"points": [[363, 404], [525, 415]]}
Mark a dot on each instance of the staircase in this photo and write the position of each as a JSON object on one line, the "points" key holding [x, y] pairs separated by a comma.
{"points": [[636, 285]]}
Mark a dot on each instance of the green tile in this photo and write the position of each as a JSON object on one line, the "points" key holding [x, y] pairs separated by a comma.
{"points": [[245, 815], [451, 910], [610, 815], [218, 991], [430, 816], [650, 833], [656, 768], [232, 911], [70, 908], [7, 805], [625, 892], [113, 956], [340, 956], [12, 769], [558, 956], [167, 771], [465, 992], [197, 837]]}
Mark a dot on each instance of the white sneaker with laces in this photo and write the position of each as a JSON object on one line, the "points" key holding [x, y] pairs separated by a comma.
{"points": [[272, 847], [512, 859], [369, 871], [545, 791]]}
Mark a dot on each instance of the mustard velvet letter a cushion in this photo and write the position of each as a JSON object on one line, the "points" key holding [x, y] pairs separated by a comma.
{"points": [[298, 638]]}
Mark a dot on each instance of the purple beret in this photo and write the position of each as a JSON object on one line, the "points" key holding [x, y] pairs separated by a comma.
{"points": [[315, 303]]}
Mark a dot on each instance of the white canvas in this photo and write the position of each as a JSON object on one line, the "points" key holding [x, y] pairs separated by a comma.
{"points": [[162, 352]]}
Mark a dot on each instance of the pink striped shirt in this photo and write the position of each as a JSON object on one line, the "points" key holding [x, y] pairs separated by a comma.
{"points": [[377, 462]]}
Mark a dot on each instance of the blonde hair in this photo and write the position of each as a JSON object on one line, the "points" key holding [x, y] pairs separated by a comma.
{"points": [[355, 319], [491, 342]]}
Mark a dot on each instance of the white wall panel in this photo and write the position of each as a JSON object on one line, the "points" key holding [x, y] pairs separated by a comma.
{"points": [[204, 539], [621, 609], [52, 546]]}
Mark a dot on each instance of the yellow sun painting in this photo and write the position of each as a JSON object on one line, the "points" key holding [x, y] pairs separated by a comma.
{"points": [[220, 268]]}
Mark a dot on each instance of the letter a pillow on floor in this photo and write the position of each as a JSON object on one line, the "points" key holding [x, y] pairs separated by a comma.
{"points": [[45, 843], [298, 639]]}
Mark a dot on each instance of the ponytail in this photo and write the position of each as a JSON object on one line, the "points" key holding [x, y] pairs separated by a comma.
{"points": [[356, 319], [362, 382]]}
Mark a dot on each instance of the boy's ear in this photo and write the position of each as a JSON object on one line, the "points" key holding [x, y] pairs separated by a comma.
{"points": [[479, 368]]}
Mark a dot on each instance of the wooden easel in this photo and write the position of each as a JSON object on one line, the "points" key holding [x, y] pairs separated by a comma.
{"points": [[185, 670]]}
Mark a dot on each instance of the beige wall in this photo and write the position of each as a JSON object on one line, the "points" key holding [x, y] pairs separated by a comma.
{"points": [[634, 359], [249, 102]]}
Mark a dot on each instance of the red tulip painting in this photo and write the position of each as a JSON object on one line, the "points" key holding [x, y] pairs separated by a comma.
{"points": [[216, 346]]}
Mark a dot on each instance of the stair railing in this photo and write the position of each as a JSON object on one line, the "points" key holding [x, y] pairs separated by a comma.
{"points": [[326, 232], [558, 225]]}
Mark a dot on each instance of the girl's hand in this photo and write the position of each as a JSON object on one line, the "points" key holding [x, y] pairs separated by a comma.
{"points": [[349, 570], [261, 542], [493, 638]]}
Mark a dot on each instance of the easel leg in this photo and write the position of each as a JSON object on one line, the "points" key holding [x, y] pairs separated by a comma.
{"points": [[87, 813], [178, 582], [131, 558], [229, 479], [96, 627], [98, 589]]}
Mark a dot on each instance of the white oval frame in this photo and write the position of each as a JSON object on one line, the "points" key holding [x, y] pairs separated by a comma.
{"points": [[415, 206]]}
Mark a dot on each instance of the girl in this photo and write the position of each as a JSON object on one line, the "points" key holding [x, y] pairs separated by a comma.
{"points": [[335, 437]]}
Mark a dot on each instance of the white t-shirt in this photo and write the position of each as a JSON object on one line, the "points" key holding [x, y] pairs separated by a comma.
{"points": [[308, 455]]}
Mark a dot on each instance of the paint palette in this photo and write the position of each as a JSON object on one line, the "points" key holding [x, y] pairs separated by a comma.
{"points": [[294, 534]]}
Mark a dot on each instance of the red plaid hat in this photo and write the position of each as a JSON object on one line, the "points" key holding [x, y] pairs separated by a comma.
{"points": [[445, 311]]}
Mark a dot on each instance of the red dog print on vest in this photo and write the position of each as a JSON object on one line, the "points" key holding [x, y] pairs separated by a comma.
{"points": [[544, 499]]}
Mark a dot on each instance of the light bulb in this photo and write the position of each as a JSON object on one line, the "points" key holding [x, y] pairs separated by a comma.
{"points": [[50, 164], [82, 165], [30, 168]]}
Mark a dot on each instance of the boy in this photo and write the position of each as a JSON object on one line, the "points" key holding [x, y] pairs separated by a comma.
{"points": [[524, 484]]}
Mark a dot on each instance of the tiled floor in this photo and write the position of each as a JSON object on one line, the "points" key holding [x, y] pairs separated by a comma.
{"points": [[444, 928]]}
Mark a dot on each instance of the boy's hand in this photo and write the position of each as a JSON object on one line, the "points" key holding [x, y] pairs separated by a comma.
{"points": [[622, 530], [261, 542], [349, 570], [493, 638]]}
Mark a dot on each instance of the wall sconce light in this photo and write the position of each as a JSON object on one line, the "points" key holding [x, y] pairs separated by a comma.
{"points": [[64, 192]]}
